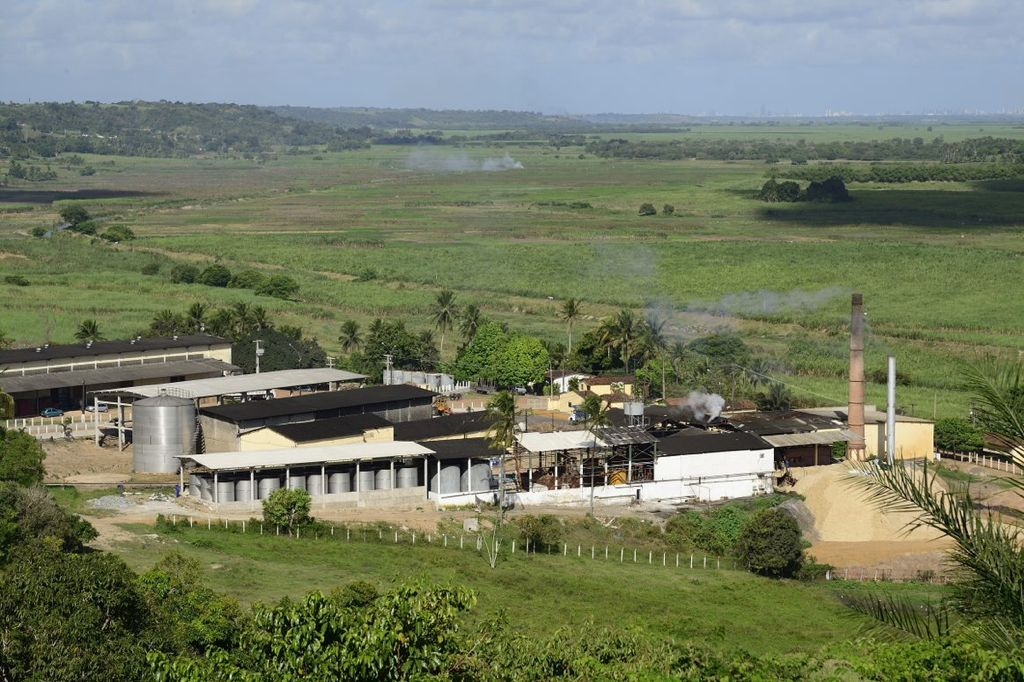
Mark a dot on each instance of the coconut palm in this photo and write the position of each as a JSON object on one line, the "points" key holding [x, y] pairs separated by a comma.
{"points": [[626, 333], [350, 337], [89, 332], [572, 309], [195, 317], [654, 341], [470, 321], [444, 311], [165, 323]]}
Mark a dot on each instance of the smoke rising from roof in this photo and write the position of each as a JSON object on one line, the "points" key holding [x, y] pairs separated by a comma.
{"points": [[765, 302], [705, 406], [435, 162]]}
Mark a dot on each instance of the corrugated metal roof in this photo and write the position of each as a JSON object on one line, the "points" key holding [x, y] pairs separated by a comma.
{"points": [[870, 415], [786, 440], [625, 435], [244, 383], [559, 440], [75, 350], [336, 427], [110, 375], [319, 402], [293, 457], [439, 427], [697, 441], [464, 447]]}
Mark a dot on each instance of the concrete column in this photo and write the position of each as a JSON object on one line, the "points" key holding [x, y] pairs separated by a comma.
{"points": [[216, 489]]}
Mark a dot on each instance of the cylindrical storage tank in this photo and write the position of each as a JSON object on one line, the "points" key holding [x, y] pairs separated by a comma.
{"points": [[366, 480], [194, 486], [225, 491], [296, 482], [451, 479], [477, 478], [384, 480], [315, 484], [206, 488], [634, 408], [408, 477], [164, 428], [339, 482], [243, 490], [268, 484]]}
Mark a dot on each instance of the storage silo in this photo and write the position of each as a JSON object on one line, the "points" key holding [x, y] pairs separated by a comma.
{"points": [[477, 478], [408, 477], [243, 490], [225, 491], [164, 429], [365, 480], [268, 485], [339, 482], [447, 481], [296, 482], [315, 484], [384, 481]]}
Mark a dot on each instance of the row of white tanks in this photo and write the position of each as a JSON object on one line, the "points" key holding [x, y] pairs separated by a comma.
{"points": [[238, 487]]}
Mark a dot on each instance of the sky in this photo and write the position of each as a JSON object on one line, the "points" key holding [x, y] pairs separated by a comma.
{"points": [[698, 57]]}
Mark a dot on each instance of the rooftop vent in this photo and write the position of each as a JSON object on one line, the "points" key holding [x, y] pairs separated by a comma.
{"points": [[38, 349]]}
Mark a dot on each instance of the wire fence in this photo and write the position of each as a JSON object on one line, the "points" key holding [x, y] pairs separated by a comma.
{"points": [[511, 547]]}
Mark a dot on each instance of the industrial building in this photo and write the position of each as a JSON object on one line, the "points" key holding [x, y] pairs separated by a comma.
{"points": [[64, 375]]}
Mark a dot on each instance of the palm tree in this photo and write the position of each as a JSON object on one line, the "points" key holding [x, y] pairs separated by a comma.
{"points": [[259, 319], [89, 332], [572, 309], [988, 591], [444, 311], [165, 323], [626, 332], [470, 321], [350, 337], [501, 411], [654, 340], [195, 318]]}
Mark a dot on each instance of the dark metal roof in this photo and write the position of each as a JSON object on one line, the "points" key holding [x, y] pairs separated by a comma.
{"points": [[775, 423], [319, 402], [624, 435], [440, 427], [109, 375], [698, 441], [463, 448], [337, 427], [17, 356]]}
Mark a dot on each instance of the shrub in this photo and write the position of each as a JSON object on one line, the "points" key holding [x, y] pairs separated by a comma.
{"points": [[543, 532], [16, 280], [287, 508], [668, 209], [955, 434], [118, 233], [278, 286], [648, 209], [184, 274], [215, 275], [771, 545], [39, 231], [151, 268], [247, 279]]}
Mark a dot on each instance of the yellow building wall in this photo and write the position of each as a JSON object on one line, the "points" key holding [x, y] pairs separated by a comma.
{"points": [[565, 402], [265, 439], [606, 389], [914, 440]]}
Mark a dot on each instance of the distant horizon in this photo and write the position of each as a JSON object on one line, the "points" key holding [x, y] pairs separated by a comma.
{"points": [[730, 58]]}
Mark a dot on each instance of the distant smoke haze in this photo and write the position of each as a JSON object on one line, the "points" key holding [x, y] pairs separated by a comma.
{"points": [[435, 162], [765, 302]]}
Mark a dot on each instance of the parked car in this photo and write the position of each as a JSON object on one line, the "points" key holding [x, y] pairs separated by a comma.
{"points": [[52, 412], [96, 408], [577, 417]]}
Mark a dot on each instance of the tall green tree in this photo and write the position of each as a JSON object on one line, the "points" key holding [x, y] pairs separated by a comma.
{"points": [[571, 310], [21, 458], [470, 321], [89, 332], [445, 312], [195, 317], [350, 337], [287, 508]]}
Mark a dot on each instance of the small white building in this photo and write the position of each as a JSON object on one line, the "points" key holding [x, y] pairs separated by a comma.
{"points": [[708, 466]]}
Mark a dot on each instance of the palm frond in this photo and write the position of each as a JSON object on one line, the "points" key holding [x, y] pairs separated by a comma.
{"points": [[921, 621]]}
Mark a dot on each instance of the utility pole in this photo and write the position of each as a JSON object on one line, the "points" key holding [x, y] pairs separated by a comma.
{"points": [[259, 353]]}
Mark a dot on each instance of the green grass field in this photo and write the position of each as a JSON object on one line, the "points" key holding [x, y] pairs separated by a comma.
{"points": [[940, 264], [722, 608]]}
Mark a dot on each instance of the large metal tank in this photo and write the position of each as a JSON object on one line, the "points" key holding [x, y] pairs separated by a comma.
{"points": [[448, 481], [476, 478], [384, 481], [243, 490], [225, 491], [296, 482], [366, 480], [315, 484], [164, 428], [267, 486], [408, 477], [339, 482]]}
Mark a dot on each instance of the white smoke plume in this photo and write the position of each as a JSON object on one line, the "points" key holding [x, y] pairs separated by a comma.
{"points": [[705, 406], [442, 162], [770, 302]]}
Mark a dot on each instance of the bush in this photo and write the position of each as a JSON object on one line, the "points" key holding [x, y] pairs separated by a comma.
{"points": [[151, 268], [39, 231], [279, 286], [668, 209], [16, 280], [184, 274], [543, 532], [215, 275], [287, 508], [648, 209], [955, 434], [771, 545], [118, 233], [247, 279]]}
